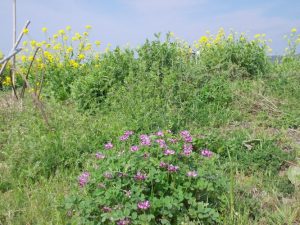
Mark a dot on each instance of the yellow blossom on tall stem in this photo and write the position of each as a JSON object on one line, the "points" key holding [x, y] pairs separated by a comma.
{"points": [[44, 29], [88, 27], [81, 56], [97, 43], [25, 31], [68, 28], [294, 30], [61, 32]]}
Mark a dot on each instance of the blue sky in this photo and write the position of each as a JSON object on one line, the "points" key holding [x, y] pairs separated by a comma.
{"points": [[132, 21]]}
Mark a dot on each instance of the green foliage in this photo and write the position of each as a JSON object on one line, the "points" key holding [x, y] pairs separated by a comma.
{"points": [[90, 90], [120, 178], [234, 53]]}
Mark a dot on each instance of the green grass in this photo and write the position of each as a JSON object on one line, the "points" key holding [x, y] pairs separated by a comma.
{"points": [[39, 165], [251, 120]]}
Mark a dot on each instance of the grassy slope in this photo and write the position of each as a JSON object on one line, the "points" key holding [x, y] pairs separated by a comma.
{"points": [[38, 166]]}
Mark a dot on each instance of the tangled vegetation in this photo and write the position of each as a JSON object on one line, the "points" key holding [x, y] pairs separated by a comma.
{"points": [[165, 133]]}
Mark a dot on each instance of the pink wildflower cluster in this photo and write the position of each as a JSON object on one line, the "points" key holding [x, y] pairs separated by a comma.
{"points": [[187, 149], [186, 136], [140, 176], [134, 148], [83, 179], [160, 133], [144, 205], [163, 164], [108, 145], [162, 143], [145, 140], [106, 209], [169, 152], [126, 135], [206, 153], [173, 140], [100, 155], [192, 173], [123, 222], [172, 168]]}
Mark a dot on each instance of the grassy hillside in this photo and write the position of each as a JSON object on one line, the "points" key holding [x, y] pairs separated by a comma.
{"points": [[228, 118]]}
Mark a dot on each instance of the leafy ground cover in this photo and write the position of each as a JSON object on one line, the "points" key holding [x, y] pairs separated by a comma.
{"points": [[154, 135]]}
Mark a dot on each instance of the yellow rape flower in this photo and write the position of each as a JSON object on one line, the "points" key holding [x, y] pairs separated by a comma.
{"points": [[23, 58], [257, 36], [44, 29], [69, 50], [88, 27], [25, 43], [85, 33], [65, 38], [97, 43], [25, 31], [33, 43], [203, 40], [57, 47], [62, 32], [294, 30], [88, 47], [78, 36], [81, 56], [55, 36], [68, 28], [7, 81], [30, 58], [73, 63]]}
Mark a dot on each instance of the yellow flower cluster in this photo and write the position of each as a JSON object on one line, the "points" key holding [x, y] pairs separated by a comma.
{"points": [[7, 81], [62, 48]]}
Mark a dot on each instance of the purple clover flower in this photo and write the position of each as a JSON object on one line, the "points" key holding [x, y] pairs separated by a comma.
{"points": [[83, 179], [145, 140], [172, 168], [160, 133], [106, 209], [206, 153], [186, 136], [134, 148], [126, 135], [144, 205], [163, 165], [169, 152], [123, 222], [192, 173], [100, 155], [108, 145], [128, 132], [162, 143], [124, 138], [187, 149], [173, 140], [140, 176]]}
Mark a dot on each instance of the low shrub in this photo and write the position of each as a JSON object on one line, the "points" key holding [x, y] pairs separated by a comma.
{"points": [[159, 178], [234, 52]]}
